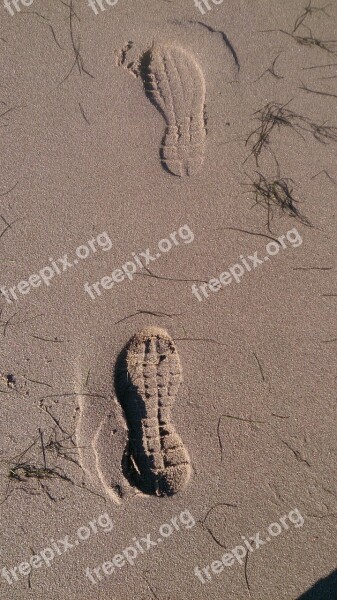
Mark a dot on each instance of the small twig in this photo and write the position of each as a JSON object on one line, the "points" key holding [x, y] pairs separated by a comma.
{"points": [[225, 38], [83, 114], [269, 237], [309, 10], [242, 419], [325, 173], [55, 340], [151, 274], [43, 450], [312, 268], [39, 382], [319, 66], [10, 190], [260, 367], [296, 453], [246, 576], [148, 312], [208, 529], [271, 70], [188, 339], [306, 89], [219, 438]]}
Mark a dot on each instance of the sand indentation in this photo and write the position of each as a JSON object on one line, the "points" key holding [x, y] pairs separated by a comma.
{"points": [[175, 84], [148, 376]]}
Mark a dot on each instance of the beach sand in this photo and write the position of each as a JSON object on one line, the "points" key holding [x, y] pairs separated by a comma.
{"points": [[147, 149]]}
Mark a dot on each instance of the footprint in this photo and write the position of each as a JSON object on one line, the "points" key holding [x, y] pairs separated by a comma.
{"points": [[101, 437], [148, 375], [175, 84], [108, 444]]}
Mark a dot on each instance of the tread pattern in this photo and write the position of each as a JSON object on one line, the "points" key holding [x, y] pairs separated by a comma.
{"points": [[175, 84], [152, 378]]}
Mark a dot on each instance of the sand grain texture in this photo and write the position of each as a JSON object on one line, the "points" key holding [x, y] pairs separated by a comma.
{"points": [[250, 433]]}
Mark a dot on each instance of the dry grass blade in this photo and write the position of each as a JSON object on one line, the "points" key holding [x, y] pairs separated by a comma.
{"points": [[308, 11], [270, 116], [275, 115], [277, 193]]}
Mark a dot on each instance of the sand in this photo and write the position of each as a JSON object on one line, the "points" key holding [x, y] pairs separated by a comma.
{"points": [[170, 167]]}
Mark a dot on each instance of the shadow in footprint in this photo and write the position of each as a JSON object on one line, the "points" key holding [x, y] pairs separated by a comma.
{"points": [[324, 589], [138, 466], [133, 465]]}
